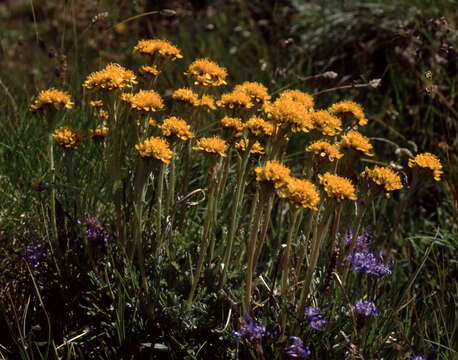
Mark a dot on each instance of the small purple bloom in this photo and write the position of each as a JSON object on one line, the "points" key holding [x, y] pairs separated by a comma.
{"points": [[429, 356], [315, 318], [297, 349], [251, 331], [96, 232], [418, 358], [366, 308], [362, 242], [34, 253], [366, 262]]}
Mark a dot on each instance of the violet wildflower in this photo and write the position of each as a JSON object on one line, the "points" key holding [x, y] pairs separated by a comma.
{"points": [[251, 330], [297, 349], [366, 308], [429, 356], [367, 262], [34, 253], [96, 232], [362, 242], [315, 318]]}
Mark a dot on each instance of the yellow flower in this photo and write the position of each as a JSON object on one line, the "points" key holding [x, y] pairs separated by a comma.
{"points": [[301, 193], [256, 91], [96, 103], [323, 148], [102, 114], [206, 72], [155, 148], [186, 96], [235, 100], [208, 101], [383, 176], [175, 126], [235, 124], [428, 162], [326, 123], [286, 112], [350, 110], [257, 148], [149, 70], [152, 122], [298, 96], [158, 47], [113, 76], [99, 133], [213, 144], [58, 99], [273, 172], [356, 141], [259, 127], [67, 137], [146, 100], [337, 187]]}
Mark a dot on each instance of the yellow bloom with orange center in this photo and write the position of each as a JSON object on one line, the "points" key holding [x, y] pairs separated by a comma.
{"points": [[429, 162], [162, 48], [256, 148], [67, 137], [232, 123], [235, 100], [98, 133], [337, 187], [147, 70], [325, 149], [52, 97], [113, 76], [213, 145], [300, 193], [259, 127], [349, 110], [273, 172], [326, 123], [175, 126], [145, 100], [384, 177], [186, 96], [206, 72], [207, 101], [298, 96], [288, 113], [155, 148], [256, 91], [358, 142]]}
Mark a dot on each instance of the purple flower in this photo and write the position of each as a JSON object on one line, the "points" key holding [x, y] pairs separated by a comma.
{"points": [[366, 308], [34, 253], [251, 331], [362, 242], [366, 262], [96, 232], [297, 349], [419, 357], [429, 356], [315, 318]]}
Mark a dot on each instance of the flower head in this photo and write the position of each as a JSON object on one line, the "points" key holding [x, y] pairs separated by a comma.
{"points": [[326, 123], [96, 103], [349, 110], [52, 97], [206, 72], [429, 162], [273, 172], [315, 318], [34, 253], [356, 141], [337, 187], [257, 92], [155, 148], [364, 261], [186, 96], [259, 127], [101, 114], [97, 233], [175, 126], [301, 193], [234, 124], [145, 100], [251, 330], [299, 97], [366, 308], [325, 149], [207, 101], [98, 133], [256, 148], [67, 137], [235, 100], [158, 47], [384, 177], [147, 70], [297, 348], [214, 145], [288, 113], [113, 76]]}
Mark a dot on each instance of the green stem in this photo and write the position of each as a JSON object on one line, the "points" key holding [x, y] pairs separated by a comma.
{"points": [[304, 245], [53, 193], [287, 253], [160, 190], [268, 204]]}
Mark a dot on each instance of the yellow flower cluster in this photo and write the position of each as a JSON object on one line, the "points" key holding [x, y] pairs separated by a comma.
{"points": [[323, 148], [145, 100], [349, 110], [326, 123], [231, 123], [146, 70], [155, 148], [208, 101], [383, 176], [113, 76], [235, 100], [101, 114], [67, 137], [259, 127], [299, 97], [358, 142], [52, 97], [428, 162], [273, 172], [256, 91], [213, 145], [186, 96], [99, 133], [289, 113], [256, 148], [158, 47], [206, 72], [301, 193], [337, 187], [175, 126]]}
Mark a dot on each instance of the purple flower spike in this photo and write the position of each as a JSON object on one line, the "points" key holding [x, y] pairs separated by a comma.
{"points": [[251, 331], [362, 242], [297, 349], [368, 263], [315, 318], [366, 308], [96, 232], [34, 253]]}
